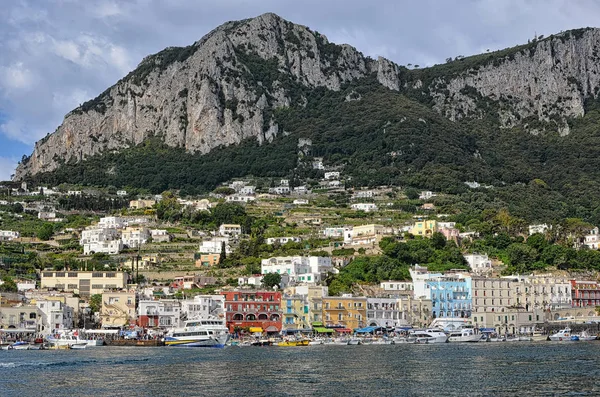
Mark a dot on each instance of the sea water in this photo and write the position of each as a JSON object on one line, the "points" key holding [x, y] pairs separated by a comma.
{"points": [[480, 369]]}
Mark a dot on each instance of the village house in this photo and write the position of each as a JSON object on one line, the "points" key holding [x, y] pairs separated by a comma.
{"points": [[160, 236], [332, 175], [215, 245], [164, 313], [479, 264], [118, 309], [102, 240], [9, 235], [256, 311], [366, 207], [282, 240], [83, 282], [397, 287], [300, 269], [345, 312], [230, 230], [366, 234], [140, 204], [424, 228], [134, 237], [55, 315]]}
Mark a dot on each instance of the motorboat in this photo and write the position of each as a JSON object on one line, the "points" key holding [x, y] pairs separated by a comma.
{"points": [[204, 332], [465, 334], [429, 335], [78, 346], [586, 336], [20, 345], [262, 342], [72, 337], [289, 343], [562, 336], [450, 324], [354, 341], [5, 346]]}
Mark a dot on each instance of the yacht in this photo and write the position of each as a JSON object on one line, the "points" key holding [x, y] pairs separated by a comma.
{"points": [[586, 336], [205, 332], [428, 336], [562, 335], [450, 324], [464, 334], [70, 338]]}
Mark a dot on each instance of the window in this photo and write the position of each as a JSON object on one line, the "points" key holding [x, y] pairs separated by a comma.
{"points": [[72, 274], [72, 286], [97, 274], [111, 274], [48, 274], [60, 274], [97, 286]]}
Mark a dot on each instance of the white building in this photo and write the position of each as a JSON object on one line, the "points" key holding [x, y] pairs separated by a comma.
{"points": [[74, 193], [541, 228], [480, 264], [23, 286], [592, 239], [300, 269], [334, 183], [283, 240], [121, 193], [134, 237], [214, 245], [101, 240], [384, 312], [239, 198], [247, 190], [55, 314], [46, 215], [317, 163], [164, 313], [160, 236], [397, 287], [367, 207], [332, 175], [426, 195], [8, 235], [364, 194], [203, 306], [284, 182], [300, 202], [255, 280], [115, 222], [230, 230], [280, 190]]}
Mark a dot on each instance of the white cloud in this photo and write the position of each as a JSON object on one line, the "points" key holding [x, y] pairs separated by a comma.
{"points": [[107, 9], [68, 50], [17, 76], [7, 168]]}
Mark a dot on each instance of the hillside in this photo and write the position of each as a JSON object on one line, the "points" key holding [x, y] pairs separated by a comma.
{"points": [[522, 119]]}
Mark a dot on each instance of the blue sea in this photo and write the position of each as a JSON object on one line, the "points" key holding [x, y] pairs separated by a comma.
{"points": [[481, 369]]}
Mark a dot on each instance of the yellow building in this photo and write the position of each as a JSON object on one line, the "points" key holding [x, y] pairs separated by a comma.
{"points": [[295, 312], [367, 234], [138, 204], [118, 308], [83, 283], [346, 311], [424, 228], [208, 260]]}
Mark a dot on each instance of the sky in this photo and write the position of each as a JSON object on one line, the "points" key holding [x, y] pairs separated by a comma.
{"points": [[56, 54]]}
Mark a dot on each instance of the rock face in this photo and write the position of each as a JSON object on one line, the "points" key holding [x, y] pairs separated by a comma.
{"points": [[548, 80], [218, 91], [223, 89]]}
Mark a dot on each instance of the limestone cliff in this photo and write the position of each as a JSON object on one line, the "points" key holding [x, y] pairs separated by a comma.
{"points": [[223, 89], [216, 92]]}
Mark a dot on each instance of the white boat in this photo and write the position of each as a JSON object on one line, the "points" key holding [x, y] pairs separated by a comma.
{"points": [[450, 324], [586, 336], [71, 337], [563, 335], [78, 346], [20, 346], [354, 341], [204, 332], [465, 334], [428, 336]]}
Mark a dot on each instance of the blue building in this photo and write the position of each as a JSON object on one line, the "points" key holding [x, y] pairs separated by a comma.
{"points": [[450, 295]]}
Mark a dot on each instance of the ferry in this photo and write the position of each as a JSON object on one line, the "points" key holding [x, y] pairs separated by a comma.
{"points": [[205, 332]]}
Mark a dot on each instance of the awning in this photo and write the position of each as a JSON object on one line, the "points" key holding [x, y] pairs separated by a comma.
{"points": [[342, 330], [317, 324], [366, 330], [322, 330], [272, 328], [256, 329]]}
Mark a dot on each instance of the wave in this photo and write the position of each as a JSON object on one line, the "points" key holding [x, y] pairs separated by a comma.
{"points": [[69, 363]]}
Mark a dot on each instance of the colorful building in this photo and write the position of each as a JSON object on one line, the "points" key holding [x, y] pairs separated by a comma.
{"points": [[258, 311], [424, 228], [585, 293], [345, 311]]}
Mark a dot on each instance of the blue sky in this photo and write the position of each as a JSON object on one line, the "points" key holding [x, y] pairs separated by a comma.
{"points": [[56, 54]]}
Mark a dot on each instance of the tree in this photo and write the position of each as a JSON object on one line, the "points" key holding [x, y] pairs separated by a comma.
{"points": [[223, 255], [95, 302], [8, 285], [411, 194], [45, 232], [271, 280]]}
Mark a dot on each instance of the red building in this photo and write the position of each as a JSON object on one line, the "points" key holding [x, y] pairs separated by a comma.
{"points": [[253, 309], [585, 293]]}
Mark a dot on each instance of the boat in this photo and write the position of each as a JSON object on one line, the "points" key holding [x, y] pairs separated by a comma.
{"points": [[354, 341], [203, 332], [287, 343], [465, 334], [20, 346], [78, 346], [450, 324], [561, 336], [5, 346], [71, 337], [262, 342], [428, 336], [586, 336]]}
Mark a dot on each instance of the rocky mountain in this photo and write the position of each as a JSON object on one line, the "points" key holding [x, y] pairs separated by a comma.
{"points": [[216, 92], [237, 102]]}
